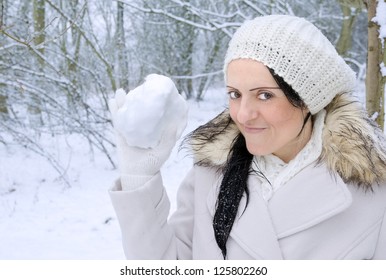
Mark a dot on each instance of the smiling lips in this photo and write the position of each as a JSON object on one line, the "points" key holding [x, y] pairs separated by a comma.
{"points": [[250, 129]]}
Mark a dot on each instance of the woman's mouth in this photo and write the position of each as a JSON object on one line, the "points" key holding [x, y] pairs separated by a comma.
{"points": [[251, 129]]}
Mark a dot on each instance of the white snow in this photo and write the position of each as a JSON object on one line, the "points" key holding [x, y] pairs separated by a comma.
{"points": [[42, 218], [380, 18], [374, 116], [149, 109], [383, 69]]}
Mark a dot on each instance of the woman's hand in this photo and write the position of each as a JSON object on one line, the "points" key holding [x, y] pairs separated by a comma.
{"points": [[148, 122]]}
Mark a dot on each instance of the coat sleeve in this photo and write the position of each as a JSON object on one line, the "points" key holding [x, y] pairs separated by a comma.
{"points": [[143, 218], [380, 252]]}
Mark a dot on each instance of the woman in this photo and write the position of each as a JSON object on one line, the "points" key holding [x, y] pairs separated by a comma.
{"points": [[293, 170]]}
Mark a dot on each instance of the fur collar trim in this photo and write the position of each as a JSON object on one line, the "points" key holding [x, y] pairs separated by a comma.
{"points": [[353, 145]]}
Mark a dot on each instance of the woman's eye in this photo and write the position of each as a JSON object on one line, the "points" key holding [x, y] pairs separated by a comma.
{"points": [[233, 94], [265, 95]]}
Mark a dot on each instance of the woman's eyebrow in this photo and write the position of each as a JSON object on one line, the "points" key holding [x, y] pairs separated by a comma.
{"points": [[264, 88]]}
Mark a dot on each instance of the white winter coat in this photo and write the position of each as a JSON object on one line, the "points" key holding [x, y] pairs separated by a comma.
{"points": [[333, 209]]}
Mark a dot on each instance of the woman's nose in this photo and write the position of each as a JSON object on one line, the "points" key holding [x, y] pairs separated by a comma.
{"points": [[247, 111]]}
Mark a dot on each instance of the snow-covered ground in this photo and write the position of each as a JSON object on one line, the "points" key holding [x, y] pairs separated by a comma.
{"points": [[42, 218]]}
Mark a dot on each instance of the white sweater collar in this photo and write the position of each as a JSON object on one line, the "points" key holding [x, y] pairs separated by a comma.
{"points": [[278, 172]]}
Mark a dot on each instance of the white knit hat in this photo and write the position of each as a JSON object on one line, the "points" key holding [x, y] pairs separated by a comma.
{"points": [[298, 52]]}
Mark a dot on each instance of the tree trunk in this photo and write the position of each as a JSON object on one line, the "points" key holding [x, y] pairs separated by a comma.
{"points": [[345, 39], [3, 98], [375, 83], [34, 107], [39, 25], [3, 13], [3, 104], [121, 45]]}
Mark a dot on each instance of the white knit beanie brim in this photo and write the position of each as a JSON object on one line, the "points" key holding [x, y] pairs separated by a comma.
{"points": [[298, 52]]}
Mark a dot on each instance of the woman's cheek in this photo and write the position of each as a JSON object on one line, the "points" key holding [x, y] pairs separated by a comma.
{"points": [[233, 111]]}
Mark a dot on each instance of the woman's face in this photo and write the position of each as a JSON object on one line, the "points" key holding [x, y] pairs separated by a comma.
{"points": [[263, 114]]}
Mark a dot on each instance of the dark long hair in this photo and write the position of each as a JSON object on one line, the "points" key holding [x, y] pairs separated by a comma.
{"points": [[235, 175]]}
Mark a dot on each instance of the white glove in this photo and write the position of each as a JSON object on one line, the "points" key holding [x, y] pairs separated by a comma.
{"points": [[148, 122]]}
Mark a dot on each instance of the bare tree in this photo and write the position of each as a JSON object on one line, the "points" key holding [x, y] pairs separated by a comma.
{"points": [[64, 74], [375, 81], [39, 24], [350, 10], [3, 96], [123, 69]]}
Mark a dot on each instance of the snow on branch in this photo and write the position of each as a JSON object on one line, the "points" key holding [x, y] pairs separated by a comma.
{"points": [[198, 75], [208, 25], [254, 7], [380, 19]]}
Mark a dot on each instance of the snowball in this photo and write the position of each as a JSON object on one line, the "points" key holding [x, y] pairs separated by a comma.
{"points": [[149, 109]]}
